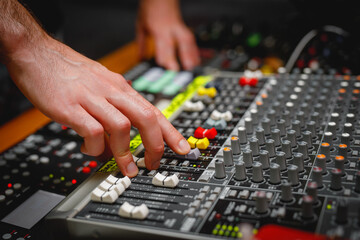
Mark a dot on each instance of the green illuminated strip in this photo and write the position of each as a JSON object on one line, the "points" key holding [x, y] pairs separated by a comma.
{"points": [[160, 84], [175, 104]]}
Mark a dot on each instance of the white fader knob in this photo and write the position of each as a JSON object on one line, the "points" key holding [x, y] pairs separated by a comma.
{"points": [[99, 195], [165, 181], [136, 212]]}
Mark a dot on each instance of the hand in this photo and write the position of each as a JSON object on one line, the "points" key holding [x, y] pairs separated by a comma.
{"points": [[162, 20], [84, 95]]}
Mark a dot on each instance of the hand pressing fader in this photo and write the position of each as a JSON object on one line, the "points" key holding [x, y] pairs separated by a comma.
{"points": [[81, 93]]}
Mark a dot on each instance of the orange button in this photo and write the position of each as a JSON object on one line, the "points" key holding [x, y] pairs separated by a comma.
{"points": [[325, 144], [320, 156], [227, 149], [356, 91], [339, 158], [342, 90]]}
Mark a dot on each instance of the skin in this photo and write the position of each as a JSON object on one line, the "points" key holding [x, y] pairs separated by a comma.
{"points": [[82, 94], [162, 20]]}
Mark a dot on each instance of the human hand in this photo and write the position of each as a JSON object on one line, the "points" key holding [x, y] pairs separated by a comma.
{"points": [[84, 95], [162, 20]]}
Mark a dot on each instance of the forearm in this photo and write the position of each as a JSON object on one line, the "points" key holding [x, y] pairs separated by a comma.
{"points": [[18, 29]]}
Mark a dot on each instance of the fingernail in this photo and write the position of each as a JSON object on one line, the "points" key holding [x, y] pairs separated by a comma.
{"points": [[184, 146], [131, 169]]}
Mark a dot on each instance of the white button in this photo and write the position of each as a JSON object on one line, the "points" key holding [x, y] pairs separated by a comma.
{"points": [[215, 115], [70, 146], [161, 180], [125, 210], [33, 157], [111, 179], [44, 160], [158, 179], [17, 186], [140, 212], [125, 181], [105, 186], [129, 211], [140, 162], [227, 116], [9, 192], [98, 195]]}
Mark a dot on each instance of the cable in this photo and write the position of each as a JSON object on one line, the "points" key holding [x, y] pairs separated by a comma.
{"points": [[307, 38]]}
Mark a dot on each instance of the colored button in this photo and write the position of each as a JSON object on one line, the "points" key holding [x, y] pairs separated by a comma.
{"points": [[93, 164], [86, 170]]}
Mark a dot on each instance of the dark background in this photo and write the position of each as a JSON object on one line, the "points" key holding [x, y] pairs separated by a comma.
{"points": [[95, 28]]}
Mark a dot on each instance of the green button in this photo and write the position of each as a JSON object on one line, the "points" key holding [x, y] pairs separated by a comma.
{"points": [[230, 228], [236, 228], [224, 227], [227, 233], [160, 84], [253, 39], [171, 89], [218, 226], [215, 231], [140, 84], [221, 232], [233, 234]]}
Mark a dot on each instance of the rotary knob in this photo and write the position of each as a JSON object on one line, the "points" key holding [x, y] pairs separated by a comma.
{"points": [[261, 203], [219, 169], [240, 173]]}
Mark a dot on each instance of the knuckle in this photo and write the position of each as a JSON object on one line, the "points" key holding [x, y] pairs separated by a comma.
{"points": [[94, 130], [148, 115], [158, 149], [122, 125]]}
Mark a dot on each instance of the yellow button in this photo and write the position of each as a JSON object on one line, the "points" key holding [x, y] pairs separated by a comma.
{"points": [[192, 141], [210, 92], [202, 143]]}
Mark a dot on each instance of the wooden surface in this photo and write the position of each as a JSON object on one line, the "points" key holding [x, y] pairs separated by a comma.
{"points": [[19, 128]]}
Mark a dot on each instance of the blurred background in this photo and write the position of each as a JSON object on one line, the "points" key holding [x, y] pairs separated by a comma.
{"points": [[96, 28]]}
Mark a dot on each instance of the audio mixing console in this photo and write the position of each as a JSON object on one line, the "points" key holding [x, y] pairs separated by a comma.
{"points": [[281, 150], [272, 151]]}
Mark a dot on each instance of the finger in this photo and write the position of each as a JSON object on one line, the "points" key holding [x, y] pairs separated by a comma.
{"points": [[90, 129], [142, 116], [140, 39], [118, 127], [165, 52], [188, 50], [172, 137]]}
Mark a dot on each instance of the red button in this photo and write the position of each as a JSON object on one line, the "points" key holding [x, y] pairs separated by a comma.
{"points": [[93, 164], [86, 170], [199, 132], [211, 133], [253, 82], [243, 81]]}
